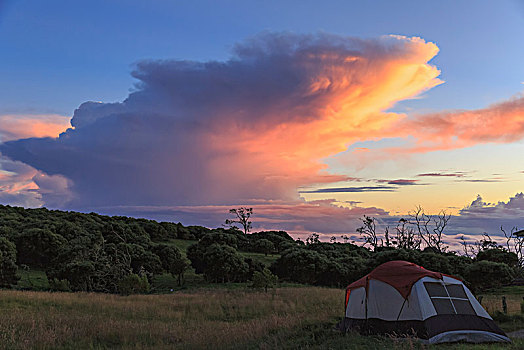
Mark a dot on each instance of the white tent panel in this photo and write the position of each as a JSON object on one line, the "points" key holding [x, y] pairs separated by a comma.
{"points": [[357, 304], [386, 303]]}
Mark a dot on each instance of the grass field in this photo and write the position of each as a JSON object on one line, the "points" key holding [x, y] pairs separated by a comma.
{"points": [[492, 301], [219, 318], [201, 315]]}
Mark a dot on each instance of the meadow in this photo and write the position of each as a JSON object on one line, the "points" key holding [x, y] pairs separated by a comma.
{"points": [[229, 318]]}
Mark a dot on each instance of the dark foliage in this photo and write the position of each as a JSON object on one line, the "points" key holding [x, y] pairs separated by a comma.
{"points": [[8, 266]]}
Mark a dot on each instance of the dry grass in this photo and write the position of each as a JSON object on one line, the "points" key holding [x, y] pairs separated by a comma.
{"points": [[291, 318], [201, 319], [493, 303]]}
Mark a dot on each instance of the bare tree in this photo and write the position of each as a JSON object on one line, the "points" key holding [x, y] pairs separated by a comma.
{"points": [[369, 231], [430, 228], [242, 217], [313, 238], [515, 243], [406, 237]]}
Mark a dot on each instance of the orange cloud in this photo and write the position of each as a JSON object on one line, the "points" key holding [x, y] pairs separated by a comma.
{"points": [[342, 100], [500, 123], [14, 127], [255, 127]]}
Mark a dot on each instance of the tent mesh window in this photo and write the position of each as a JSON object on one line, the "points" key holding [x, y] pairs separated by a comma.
{"points": [[449, 298]]}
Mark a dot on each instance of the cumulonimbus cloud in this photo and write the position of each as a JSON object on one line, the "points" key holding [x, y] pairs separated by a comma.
{"points": [[255, 127]]}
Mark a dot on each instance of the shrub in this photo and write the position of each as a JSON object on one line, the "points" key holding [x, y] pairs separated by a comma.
{"points": [[488, 274], [172, 260], [222, 263], [8, 266], [499, 255], [133, 284], [264, 279], [57, 285], [264, 246]]}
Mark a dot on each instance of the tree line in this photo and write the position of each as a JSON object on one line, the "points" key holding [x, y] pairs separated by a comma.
{"points": [[92, 252]]}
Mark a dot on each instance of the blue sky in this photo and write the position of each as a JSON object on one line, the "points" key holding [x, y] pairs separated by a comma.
{"points": [[57, 54], [156, 144]]}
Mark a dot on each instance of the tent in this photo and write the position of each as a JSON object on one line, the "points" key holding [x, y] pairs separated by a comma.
{"points": [[404, 299]]}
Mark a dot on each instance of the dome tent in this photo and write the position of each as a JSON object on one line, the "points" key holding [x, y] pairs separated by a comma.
{"points": [[399, 297]]}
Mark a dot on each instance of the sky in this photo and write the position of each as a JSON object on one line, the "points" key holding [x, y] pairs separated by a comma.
{"points": [[314, 113]]}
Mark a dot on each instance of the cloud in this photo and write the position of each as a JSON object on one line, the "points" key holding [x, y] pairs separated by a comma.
{"points": [[443, 174], [255, 127], [482, 180], [22, 185], [13, 127], [513, 208], [299, 218], [353, 189], [401, 182], [499, 123]]}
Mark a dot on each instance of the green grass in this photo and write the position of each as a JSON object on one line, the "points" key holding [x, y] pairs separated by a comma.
{"points": [[265, 259], [181, 244], [32, 279]]}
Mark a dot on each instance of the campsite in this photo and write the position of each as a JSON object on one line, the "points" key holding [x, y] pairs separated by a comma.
{"points": [[261, 175], [47, 308]]}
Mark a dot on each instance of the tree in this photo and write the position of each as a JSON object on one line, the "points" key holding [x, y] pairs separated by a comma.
{"points": [[515, 243], [224, 264], [406, 237], [133, 284], [264, 279], [37, 247], [8, 266], [369, 231], [430, 228], [264, 246], [488, 274], [242, 217], [172, 261]]}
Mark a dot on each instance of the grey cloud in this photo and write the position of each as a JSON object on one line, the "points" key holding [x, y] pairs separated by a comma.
{"points": [[353, 189]]}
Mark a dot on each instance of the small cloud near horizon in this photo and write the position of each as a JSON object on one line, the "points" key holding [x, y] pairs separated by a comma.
{"points": [[353, 189]]}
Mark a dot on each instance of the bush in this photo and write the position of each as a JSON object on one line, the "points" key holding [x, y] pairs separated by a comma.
{"points": [[222, 263], [133, 284], [264, 246], [264, 279], [57, 285], [500, 256], [172, 260], [488, 274], [300, 265], [8, 266]]}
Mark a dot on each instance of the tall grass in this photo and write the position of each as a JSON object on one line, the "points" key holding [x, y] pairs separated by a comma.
{"points": [[291, 318], [200, 319]]}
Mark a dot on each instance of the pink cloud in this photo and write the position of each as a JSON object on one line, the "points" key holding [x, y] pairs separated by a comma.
{"points": [[14, 127], [500, 123]]}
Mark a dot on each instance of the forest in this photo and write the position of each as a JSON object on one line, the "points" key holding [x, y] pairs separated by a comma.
{"points": [[96, 253]]}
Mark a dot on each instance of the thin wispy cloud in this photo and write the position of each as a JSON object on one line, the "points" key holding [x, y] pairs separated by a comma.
{"points": [[443, 174], [353, 189], [402, 182]]}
